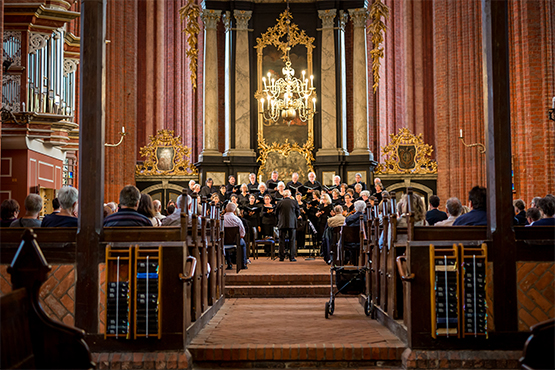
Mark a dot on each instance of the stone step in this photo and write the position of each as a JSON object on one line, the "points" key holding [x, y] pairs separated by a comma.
{"points": [[277, 291], [276, 279], [297, 356]]}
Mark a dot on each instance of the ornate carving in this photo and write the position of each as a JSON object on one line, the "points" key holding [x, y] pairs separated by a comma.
{"points": [[359, 16], [210, 18], [327, 16], [165, 156], [37, 41], [343, 18], [70, 66], [284, 149], [13, 38], [407, 154], [12, 83], [377, 29], [274, 35], [242, 18], [190, 13]]}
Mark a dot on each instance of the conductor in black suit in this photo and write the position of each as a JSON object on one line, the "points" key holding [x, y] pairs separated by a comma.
{"points": [[288, 212]]}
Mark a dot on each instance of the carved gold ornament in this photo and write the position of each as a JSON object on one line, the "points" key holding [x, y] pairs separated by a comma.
{"points": [[189, 14], [165, 156], [377, 28], [284, 149], [407, 154], [274, 35]]}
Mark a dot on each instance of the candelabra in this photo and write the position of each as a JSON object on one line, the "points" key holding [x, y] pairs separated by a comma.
{"points": [[122, 133], [482, 147]]}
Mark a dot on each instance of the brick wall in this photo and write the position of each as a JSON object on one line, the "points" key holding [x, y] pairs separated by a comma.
{"points": [[57, 294]]}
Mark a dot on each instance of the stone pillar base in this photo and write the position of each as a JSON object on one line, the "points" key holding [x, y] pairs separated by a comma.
{"points": [[362, 152], [208, 153], [330, 152], [239, 153]]}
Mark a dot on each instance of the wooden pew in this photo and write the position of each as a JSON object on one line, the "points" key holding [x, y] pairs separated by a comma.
{"points": [[29, 337]]}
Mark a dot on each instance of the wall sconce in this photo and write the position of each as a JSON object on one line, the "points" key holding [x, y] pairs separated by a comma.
{"points": [[122, 133], [481, 147], [551, 112]]}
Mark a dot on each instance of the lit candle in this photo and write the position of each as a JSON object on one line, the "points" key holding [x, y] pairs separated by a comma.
{"points": [[461, 135], [262, 103], [122, 130], [553, 103], [314, 104], [264, 80], [23, 106], [311, 81]]}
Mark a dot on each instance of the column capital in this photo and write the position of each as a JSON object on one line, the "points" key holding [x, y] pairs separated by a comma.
{"points": [[210, 18], [226, 19], [343, 19], [359, 16], [327, 16], [242, 18]]}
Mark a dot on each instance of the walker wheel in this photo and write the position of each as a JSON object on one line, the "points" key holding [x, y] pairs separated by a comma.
{"points": [[327, 309], [332, 306], [368, 308]]}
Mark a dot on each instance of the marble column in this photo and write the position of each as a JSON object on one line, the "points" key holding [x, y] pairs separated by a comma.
{"points": [[343, 18], [360, 85], [242, 86], [210, 86], [226, 19], [328, 96]]}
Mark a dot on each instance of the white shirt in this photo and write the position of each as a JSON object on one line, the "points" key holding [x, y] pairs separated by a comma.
{"points": [[230, 220]]}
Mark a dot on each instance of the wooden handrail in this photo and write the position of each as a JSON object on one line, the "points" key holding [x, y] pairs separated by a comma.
{"points": [[405, 276]]}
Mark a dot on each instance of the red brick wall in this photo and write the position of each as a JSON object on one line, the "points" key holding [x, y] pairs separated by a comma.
{"points": [[122, 86], [532, 30]]}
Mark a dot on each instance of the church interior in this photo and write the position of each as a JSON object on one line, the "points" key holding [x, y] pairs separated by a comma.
{"points": [[236, 128]]}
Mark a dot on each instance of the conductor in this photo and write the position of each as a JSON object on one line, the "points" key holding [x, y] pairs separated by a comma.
{"points": [[288, 211]]}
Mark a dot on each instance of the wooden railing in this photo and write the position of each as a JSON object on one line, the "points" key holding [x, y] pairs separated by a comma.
{"points": [[399, 278], [188, 301]]}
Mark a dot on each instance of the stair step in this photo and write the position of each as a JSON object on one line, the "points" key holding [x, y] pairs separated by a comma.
{"points": [[277, 279], [277, 291]]}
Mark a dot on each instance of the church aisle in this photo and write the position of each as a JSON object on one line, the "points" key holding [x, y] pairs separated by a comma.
{"points": [[292, 332]]}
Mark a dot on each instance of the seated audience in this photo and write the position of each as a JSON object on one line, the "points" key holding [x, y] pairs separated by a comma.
{"points": [[454, 208], [113, 206], [158, 210], [477, 202], [33, 205], [55, 205], [68, 197], [9, 212], [174, 218], [231, 220], [107, 211], [170, 210], [337, 218], [129, 199], [146, 208], [520, 212], [435, 215], [547, 206], [534, 202], [533, 214], [354, 219], [417, 207]]}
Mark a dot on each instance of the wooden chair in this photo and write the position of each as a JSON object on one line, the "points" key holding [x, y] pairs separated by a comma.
{"points": [[29, 337], [232, 241]]}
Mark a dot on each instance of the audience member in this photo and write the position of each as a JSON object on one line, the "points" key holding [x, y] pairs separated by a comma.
{"points": [[33, 205], [170, 210], [9, 212], [454, 209], [113, 206], [158, 210], [534, 202], [547, 206], [354, 219], [520, 212], [435, 215], [477, 198], [146, 208], [174, 218], [337, 218], [107, 211], [68, 197], [55, 205], [231, 220], [129, 199], [533, 214], [417, 208]]}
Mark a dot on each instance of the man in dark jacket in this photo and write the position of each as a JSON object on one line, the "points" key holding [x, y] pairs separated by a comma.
{"points": [[435, 215], [129, 198], [288, 212], [520, 212]]}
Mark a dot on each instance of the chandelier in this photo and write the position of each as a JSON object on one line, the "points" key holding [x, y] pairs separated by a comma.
{"points": [[288, 97]]}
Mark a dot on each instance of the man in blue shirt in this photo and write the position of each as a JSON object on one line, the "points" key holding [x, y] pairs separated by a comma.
{"points": [[477, 198], [129, 198]]}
